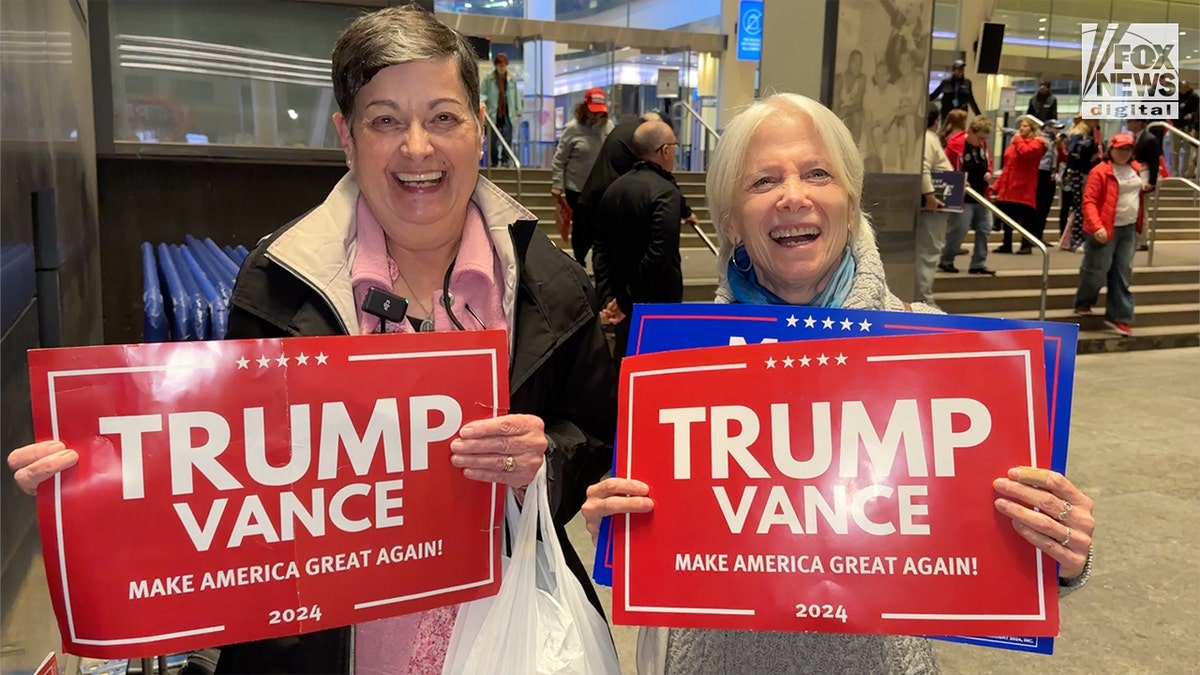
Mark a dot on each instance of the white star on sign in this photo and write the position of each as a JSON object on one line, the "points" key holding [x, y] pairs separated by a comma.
{"points": [[792, 321], [846, 324], [243, 363], [321, 359], [841, 359], [827, 323], [302, 360], [282, 360], [810, 322], [823, 360], [263, 362], [864, 325], [771, 363], [804, 361], [787, 363]]}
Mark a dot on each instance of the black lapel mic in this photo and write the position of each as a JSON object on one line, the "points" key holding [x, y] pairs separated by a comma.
{"points": [[385, 306]]}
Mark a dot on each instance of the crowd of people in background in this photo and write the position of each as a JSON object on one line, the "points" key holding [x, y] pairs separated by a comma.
{"points": [[1041, 158]]}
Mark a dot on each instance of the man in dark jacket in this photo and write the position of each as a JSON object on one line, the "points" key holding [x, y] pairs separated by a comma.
{"points": [[955, 91], [1043, 105], [1146, 148], [1182, 152], [616, 159], [636, 256], [1147, 151]]}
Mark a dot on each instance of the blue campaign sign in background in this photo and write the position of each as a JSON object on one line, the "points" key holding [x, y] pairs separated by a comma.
{"points": [[658, 328], [750, 30]]}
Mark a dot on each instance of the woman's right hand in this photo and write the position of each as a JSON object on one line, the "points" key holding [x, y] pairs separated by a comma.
{"points": [[557, 192], [612, 496], [37, 462], [1101, 236]]}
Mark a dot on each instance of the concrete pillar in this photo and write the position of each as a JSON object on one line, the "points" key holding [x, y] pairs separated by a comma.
{"points": [[735, 78], [539, 87], [807, 50], [794, 41]]}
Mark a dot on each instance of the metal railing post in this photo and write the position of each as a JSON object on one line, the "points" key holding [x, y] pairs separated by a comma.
{"points": [[707, 129], [1041, 246], [704, 237], [1151, 233], [507, 148]]}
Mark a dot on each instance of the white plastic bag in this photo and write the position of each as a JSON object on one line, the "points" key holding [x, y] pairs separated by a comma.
{"points": [[541, 621]]}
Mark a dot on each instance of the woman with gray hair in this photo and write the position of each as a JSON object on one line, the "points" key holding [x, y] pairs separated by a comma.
{"points": [[413, 217], [785, 189]]}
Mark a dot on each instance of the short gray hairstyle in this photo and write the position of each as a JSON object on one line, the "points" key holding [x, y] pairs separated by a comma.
{"points": [[727, 167], [393, 36]]}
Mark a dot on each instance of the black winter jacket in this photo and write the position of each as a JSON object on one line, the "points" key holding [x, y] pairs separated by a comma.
{"points": [[636, 257], [560, 369], [616, 159]]}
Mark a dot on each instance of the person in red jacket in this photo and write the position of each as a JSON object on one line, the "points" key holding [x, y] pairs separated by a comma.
{"points": [[1112, 213], [1016, 189]]}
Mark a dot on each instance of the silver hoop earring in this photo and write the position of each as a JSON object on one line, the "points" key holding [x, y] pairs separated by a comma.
{"points": [[749, 267]]}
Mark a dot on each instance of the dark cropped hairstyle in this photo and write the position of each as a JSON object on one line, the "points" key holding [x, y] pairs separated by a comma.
{"points": [[393, 36]]}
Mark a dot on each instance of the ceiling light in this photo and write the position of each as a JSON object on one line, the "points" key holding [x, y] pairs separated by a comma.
{"points": [[1043, 28], [1043, 19], [293, 114]]}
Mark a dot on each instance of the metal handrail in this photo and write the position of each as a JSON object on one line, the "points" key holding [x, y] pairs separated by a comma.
{"points": [[704, 237], [708, 129], [507, 148], [1154, 214], [1025, 233], [1175, 130]]}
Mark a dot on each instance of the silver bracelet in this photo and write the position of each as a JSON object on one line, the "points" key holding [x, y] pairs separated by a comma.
{"points": [[1082, 579]]}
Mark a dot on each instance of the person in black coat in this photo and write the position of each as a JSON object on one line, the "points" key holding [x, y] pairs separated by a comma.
{"points": [[616, 159], [1146, 148], [1043, 105], [955, 91], [636, 256]]}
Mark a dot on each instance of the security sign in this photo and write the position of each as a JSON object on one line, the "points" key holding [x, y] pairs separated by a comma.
{"points": [[262, 488], [835, 486]]}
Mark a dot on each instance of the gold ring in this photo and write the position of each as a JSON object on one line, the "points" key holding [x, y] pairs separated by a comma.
{"points": [[1062, 517], [510, 464]]}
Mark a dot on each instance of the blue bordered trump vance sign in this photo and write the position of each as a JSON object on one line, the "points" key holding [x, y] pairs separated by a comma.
{"points": [[750, 30]]}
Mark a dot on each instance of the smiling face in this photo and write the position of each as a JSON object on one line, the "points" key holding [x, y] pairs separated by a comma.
{"points": [[790, 212], [414, 146]]}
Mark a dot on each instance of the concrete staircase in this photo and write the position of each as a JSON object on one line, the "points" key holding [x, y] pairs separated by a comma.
{"points": [[1167, 294]]}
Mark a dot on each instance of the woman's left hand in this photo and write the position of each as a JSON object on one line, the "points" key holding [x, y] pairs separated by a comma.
{"points": [[1051, 513], [507, 449]]}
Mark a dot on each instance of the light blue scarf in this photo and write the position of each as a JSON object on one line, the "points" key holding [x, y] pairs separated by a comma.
{"points": [[747, 291]]}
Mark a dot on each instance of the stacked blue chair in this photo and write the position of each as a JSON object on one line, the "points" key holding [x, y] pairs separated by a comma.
{"points": [[186, 289]]}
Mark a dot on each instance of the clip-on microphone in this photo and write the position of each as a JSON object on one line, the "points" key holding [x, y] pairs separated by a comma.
{"points": [[385, 306]]}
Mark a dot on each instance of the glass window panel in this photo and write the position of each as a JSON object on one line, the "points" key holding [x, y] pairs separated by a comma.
{"points": [[513, 8], [1186, 13], [206, 71]]}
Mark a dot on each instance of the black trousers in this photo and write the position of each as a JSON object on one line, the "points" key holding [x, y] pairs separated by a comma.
{"points": [[581, 228], [1064, 205], [1045, 197], [621, 340], [1025, 216]]}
